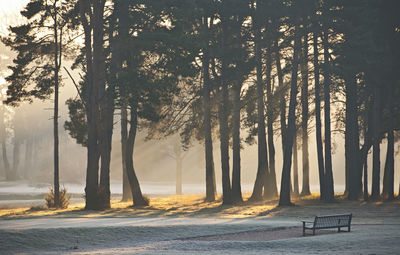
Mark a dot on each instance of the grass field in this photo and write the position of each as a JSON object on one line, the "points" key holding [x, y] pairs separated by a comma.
{"points": [[187, 225]]}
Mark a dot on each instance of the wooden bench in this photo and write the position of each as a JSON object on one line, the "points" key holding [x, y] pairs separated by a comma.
{"points": [[328, 221]]}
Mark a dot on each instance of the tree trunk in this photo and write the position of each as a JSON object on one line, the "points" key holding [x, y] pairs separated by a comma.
{"points": [[282, 102], [284, 198], [295, 167], [224, 145], [178, 158], [236, 187], [28, 157], [6, 165], [178, 188], [388, 178], [330, 194], [376, 164], [223, 122], [365, 160], [261, 136], [138, 199], [108, 106], [352, 144], [271, 190], [366, 196], [318, 128], [376, 172], [94, 64], [3, 136], [210, 172], [126, 188], [9, 174], [123, 34], [56, 142], [55, 116], [106, 145], [16, 156], [305, 191], [35, 153]]}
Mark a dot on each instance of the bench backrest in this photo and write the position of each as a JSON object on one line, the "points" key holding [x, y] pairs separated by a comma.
{"points": [[327, 221]]}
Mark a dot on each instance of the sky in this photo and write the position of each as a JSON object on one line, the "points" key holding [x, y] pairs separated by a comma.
{"points": [[9, 13]]}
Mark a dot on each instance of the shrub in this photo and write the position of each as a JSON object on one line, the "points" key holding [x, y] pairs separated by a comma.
{"points": [[64, 198]]}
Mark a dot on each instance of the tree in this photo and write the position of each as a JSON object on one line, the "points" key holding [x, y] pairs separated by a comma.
{"points": [[284, 198], [9, 174], [178, 155], [223, 113], [207, 22], [318, 129], [304, 115], [329, 196], [92, 20], [261, 136], [270, 189], [295, 167], [40, 40], [157, 59]]}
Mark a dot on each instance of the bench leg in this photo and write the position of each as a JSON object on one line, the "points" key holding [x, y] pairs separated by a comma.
{"points": [[304, 229], [349, 228], [313, 231], [338, 230]]}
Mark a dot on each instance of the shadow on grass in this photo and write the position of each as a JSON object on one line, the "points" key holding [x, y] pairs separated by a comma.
{"points": [[194, 206]]}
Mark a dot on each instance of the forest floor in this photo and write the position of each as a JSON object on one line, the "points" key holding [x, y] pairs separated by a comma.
{"points": [[187, 225]]}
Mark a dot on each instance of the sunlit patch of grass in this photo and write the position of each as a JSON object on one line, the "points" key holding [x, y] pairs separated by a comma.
{"points": [[12, 212], [177, 206], [29, 212], [194, 206]]}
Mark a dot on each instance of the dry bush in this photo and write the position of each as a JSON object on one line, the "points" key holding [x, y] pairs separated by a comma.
{"points": [[64, 198]]}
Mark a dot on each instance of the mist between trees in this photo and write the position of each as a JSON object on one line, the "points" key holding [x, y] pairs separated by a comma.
{"points": [[278, 92]]}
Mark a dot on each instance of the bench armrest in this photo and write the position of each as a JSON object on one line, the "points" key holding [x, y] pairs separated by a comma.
{"points": [[306, 221]]}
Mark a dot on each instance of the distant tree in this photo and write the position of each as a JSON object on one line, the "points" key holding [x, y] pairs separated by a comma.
{"points": [[177, 153], [9, 174]]}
